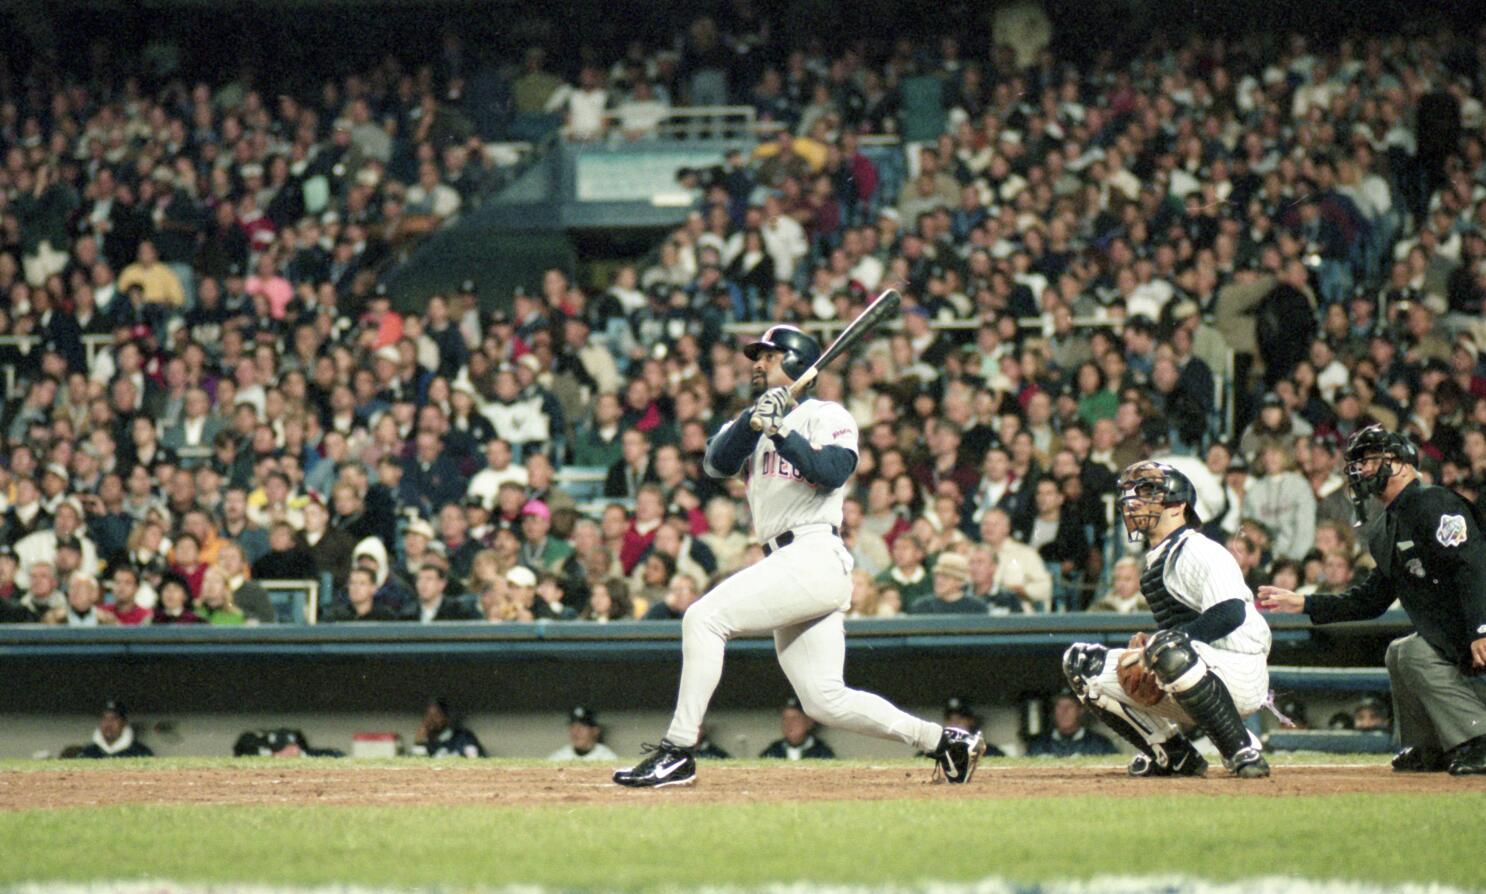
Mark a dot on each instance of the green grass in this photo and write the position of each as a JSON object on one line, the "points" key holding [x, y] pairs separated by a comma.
{"points": [[1415, 838]]}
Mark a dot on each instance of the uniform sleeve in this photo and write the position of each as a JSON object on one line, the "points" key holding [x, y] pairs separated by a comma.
{"points": [[831, 426], [826, 467], [1458, 550], [1210, 580], [1360, 602], [730, 448]]}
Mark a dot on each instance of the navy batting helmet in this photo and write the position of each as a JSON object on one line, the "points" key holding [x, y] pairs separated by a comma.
{"points": [[800, 350]]}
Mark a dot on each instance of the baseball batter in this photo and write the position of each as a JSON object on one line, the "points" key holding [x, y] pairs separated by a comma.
{"points": [[1205, 667], [800, 590]]}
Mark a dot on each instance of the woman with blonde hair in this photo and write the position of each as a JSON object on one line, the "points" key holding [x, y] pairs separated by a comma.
{"points": [[863, 595], [215, 605]]}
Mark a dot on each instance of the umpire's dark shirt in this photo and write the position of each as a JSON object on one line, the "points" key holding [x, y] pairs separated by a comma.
{"points": [[1431, 556]]}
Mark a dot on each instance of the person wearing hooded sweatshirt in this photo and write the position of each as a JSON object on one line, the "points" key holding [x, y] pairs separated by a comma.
{"points": [[1283, 500], [114, 737], [371, 554]]}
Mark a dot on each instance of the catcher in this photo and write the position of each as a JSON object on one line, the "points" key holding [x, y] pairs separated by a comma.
{"points": [[1204, 669]]}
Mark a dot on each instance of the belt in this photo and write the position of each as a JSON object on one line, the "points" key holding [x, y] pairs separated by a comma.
{"points": [[788, 537]]}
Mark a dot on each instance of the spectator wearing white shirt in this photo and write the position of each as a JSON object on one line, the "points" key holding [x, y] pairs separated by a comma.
{"points": [[582, 106], [431, 196], [642, 112], [784, 239]]}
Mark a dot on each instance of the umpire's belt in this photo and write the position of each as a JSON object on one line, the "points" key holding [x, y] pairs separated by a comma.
{"points": [[788, 537]]}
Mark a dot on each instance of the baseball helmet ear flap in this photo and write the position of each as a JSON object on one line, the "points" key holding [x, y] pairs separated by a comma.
{"points": [[800, 349]]}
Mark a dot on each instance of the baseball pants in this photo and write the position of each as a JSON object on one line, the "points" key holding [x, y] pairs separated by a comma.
{"points": [[1435, 705], [1246, 676], [800, 593]]}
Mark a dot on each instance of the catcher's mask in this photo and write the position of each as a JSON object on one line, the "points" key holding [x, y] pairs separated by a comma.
{"points": [[1144, 491], [1374, 455]]}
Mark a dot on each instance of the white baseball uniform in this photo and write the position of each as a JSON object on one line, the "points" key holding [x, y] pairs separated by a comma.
{"points": [[800, 591], [1198, 573]]}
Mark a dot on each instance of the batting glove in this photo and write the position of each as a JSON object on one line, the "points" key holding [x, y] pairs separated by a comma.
{"points": [[772, 407]]}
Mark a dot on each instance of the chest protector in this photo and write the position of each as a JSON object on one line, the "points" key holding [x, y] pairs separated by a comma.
{"points": [[1168, 611]]}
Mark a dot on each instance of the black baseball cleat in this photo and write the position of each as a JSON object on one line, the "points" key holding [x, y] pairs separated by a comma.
{"points": [[1248, 763], [1469, 758], [664, 764], [958, 754], [1174, 757], [1415, 759]]}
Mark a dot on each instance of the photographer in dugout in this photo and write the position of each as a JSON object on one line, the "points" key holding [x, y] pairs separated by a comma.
{"points": [[1430, 556]]}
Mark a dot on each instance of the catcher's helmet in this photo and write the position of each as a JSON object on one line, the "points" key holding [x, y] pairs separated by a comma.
{"points": [[1376, 441], [1156, 482], [800, 350]]}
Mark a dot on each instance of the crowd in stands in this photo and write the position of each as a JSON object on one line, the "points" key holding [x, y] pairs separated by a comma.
{"points": [[1230, 254]]}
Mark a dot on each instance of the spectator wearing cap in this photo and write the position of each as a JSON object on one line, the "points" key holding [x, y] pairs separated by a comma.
{"points": [[951, 578], [585, 739], [440, 735], [433, 603], [538, 549], [114, 736], [798, 741], [1069, 736], [521, 594], [959, 714]]}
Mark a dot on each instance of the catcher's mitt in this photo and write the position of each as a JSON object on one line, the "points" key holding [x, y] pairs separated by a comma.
{"points": [[1140, 684]]}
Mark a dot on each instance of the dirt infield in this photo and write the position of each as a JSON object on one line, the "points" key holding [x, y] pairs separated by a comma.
{"points": [[567, 785]]}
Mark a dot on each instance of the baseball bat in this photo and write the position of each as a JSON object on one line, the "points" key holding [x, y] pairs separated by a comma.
{"points": [[878, 312]]}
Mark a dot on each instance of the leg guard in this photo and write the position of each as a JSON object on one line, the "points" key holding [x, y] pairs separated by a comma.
{"points": [[1170, 655], [1084, 662]]}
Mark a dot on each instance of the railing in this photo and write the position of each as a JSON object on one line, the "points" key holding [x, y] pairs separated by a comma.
{"points": [[680, 123]]}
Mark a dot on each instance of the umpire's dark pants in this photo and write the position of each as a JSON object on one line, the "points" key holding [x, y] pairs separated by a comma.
{"points": [[1435, 706]]}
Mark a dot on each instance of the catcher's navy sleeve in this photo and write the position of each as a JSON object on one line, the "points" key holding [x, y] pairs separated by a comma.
{"points": [[826, 467], [1216, 622], [730, 448]]}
